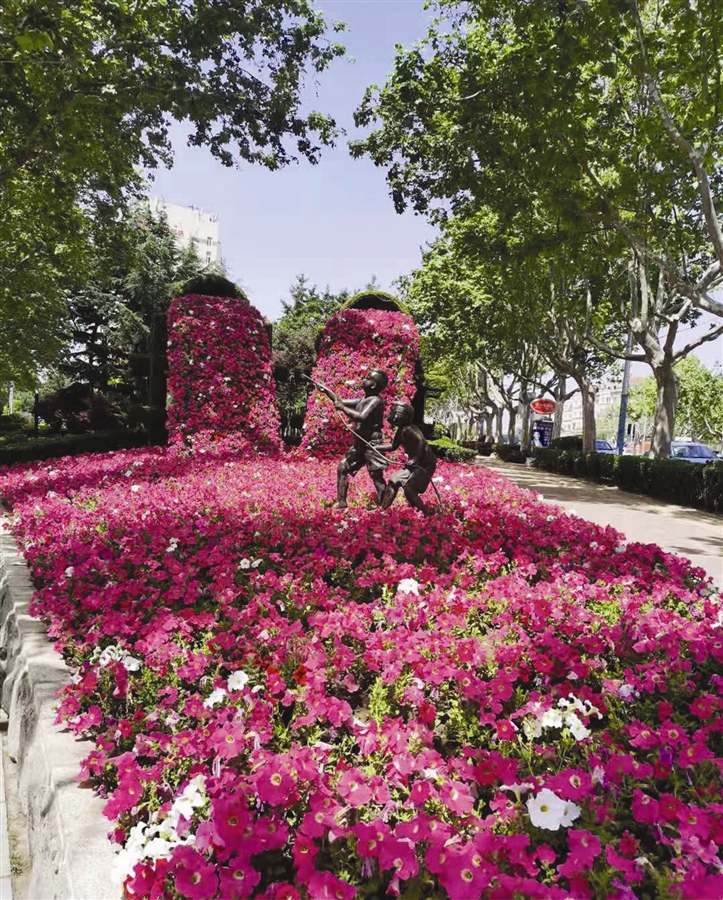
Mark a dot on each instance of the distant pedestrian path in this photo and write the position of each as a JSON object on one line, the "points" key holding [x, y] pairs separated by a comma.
{"points": [[688, 532]]}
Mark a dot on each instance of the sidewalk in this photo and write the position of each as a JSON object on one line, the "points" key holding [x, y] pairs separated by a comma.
{"points": [[692, 533]]}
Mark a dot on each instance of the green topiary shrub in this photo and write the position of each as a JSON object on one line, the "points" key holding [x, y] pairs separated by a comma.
{"points": [[713, 486], [571, 442], [70, 445], [13, 422], [211, 286], [510, 453], [445, 448], [675, 481]]}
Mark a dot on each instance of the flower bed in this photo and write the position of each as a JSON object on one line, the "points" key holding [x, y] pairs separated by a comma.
{"points": [[502, 700], [355, 341], [220, 378]]}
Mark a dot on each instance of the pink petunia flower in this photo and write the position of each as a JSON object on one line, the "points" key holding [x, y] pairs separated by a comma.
{"points": [[583, 848], [238, 880], [353, 787], [325, 886], [193, 876]]}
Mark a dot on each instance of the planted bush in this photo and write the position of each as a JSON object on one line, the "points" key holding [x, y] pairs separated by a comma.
{"points": [[446, 448], [354, 342], [675, 481], [510, 453], [220, 375]]}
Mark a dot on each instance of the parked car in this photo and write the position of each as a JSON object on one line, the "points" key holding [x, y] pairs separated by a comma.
{"points": [[603, 447], [690, 452]]}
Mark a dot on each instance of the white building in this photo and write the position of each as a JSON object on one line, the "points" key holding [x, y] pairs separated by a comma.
{"points": [[607, 403], [190, 224]]}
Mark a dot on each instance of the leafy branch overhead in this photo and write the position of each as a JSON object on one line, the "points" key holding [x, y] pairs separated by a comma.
{"points": [[88, 92], [99, 81], [607, 114], [578, 142]]}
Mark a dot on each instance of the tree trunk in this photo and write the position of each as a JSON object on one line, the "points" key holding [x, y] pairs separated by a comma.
{"points": [[499, 439], [511, 425], [524, 412], [560, 408], [666, 402], [588, 391]]}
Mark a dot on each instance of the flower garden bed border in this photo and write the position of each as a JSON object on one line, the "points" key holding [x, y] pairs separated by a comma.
{"points": [[69, 852]]}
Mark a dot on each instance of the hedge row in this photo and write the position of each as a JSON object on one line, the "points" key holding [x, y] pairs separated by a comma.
{"points": [[510, 453], [446, 448], [71, 445], [676, 481]]}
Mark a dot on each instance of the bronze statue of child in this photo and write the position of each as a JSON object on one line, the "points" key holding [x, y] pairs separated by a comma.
{"points": [[417, 473], [367, 415]]}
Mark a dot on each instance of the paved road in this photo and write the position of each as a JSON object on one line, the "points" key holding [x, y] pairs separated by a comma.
{"points": [[677, 529]]}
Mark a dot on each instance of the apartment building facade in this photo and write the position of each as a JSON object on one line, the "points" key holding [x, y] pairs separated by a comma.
{"points": [[193, 225]]}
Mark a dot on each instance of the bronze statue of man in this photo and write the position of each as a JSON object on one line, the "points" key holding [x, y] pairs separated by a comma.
{"points": [[367, 415], [414, 478]]}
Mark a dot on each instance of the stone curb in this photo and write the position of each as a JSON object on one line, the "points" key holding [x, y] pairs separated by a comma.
{"points": [[70, 854]]}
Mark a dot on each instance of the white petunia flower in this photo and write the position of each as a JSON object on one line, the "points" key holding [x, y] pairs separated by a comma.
{"points": [[576, 726], [408, 586], [159, 848], [531, 728], [570, 812], [549, 811], [237, 681], [551, 718], [214, 698], [245, 564]]}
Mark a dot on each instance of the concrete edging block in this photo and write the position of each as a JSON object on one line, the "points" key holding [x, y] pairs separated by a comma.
{"points": [[70, 855]]}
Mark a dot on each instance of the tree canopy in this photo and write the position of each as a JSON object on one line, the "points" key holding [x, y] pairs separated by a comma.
{"points": [[606, 113], [571, 125], [89, 91]]}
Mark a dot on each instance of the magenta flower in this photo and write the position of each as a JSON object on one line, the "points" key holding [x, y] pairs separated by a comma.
{"points": [[645, 808], [193, 876], [461, 873], [274, 787], [220, 376], [228, 740], [456, 796], [371, 739], [325, 886], [398, 854], [230, 819], [355, 341], [238, 880], [353, 787], [583, 848]]}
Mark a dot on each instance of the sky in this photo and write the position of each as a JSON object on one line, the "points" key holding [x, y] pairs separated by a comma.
{"points": [[333, 222]]}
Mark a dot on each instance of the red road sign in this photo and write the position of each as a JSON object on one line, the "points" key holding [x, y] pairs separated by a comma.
{"points": [[544, 406]]}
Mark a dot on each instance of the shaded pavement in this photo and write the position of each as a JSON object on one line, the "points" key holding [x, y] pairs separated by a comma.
{"points": [[692, 533]]}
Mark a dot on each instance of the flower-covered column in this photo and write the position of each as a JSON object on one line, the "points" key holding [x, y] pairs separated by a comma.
{"points": [[355, 341], [220, 378]]}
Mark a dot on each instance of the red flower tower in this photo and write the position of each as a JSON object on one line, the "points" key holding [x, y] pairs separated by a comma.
{"points": [[369, 332], [220, 375]]}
